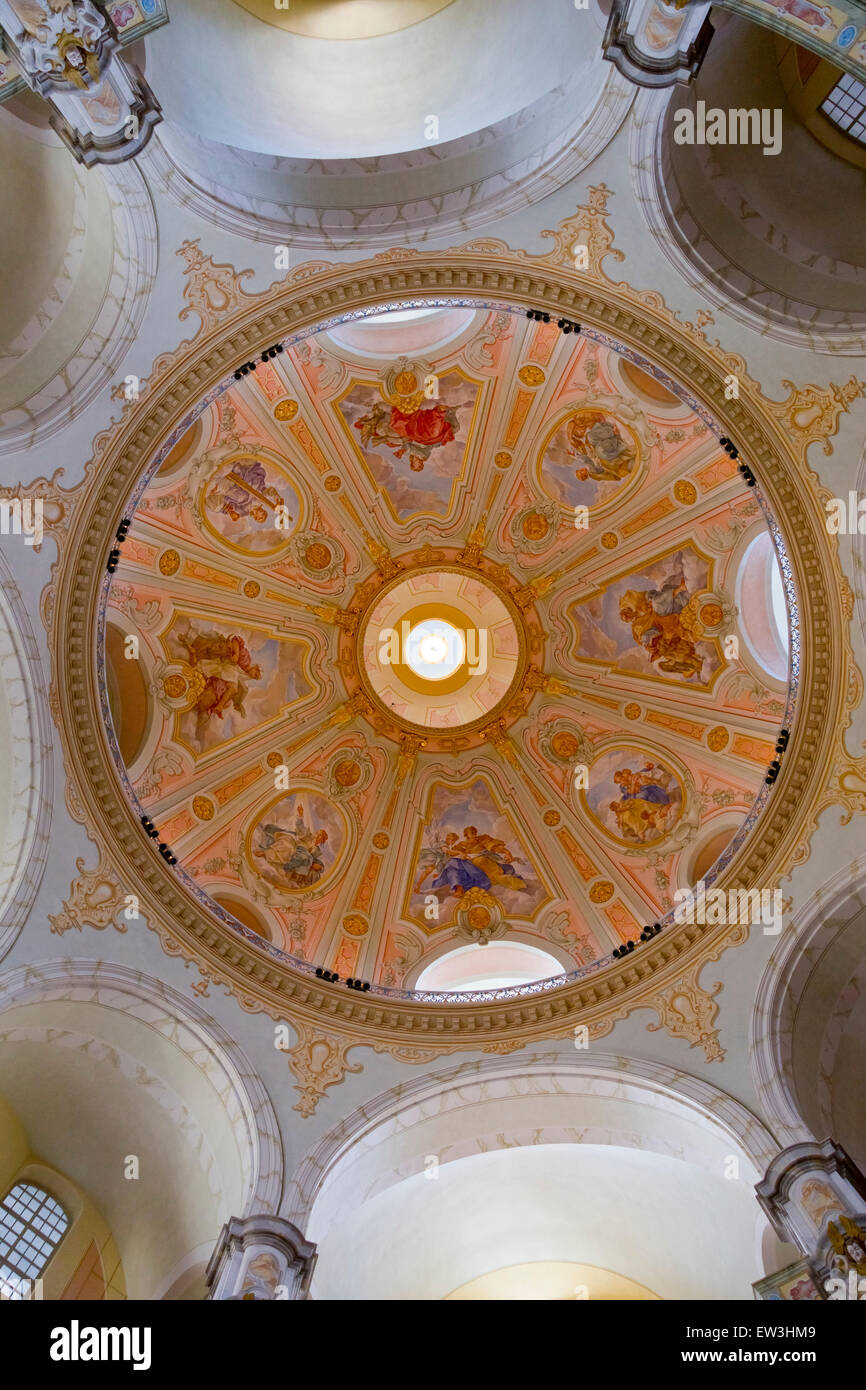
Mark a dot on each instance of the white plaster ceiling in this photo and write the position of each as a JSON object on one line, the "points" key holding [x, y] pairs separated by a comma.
{"points": [[663, 1223], [548, 1281], [93, 1086], [226, 76]]}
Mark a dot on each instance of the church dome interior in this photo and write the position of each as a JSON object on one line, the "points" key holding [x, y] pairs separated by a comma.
{"points": [[249, 539], [432, 713]]}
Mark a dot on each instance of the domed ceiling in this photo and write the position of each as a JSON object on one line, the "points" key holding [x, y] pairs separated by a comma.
{"points": [[334, 125], [432, 628], [322, 19], [362, 81]]}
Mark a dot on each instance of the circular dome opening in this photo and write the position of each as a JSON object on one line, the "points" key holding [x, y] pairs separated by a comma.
{"points": [[435, 649], [440, 649]]}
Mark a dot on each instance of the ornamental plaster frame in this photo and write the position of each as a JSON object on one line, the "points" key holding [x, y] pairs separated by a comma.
{"points": [[773, 436]]}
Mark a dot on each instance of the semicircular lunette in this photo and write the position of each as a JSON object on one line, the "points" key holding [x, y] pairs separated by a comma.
{"points": [[560, 776]]}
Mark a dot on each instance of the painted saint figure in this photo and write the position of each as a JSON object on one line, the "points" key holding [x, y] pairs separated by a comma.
{"points": [[476, 861], [595, 440], [224, 665], [295, 854], [244, 492]]}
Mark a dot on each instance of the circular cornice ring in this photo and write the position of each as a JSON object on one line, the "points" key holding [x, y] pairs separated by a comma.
{"points": [[485, 269]]}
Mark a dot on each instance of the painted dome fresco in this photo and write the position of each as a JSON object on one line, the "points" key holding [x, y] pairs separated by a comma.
{"points": [[440, 626]]}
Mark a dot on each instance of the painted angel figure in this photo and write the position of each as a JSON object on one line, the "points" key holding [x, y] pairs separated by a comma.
{"points": [[663, 622]]}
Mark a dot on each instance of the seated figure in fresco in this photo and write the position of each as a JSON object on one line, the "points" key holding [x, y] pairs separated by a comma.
{"points": [[418, 431], [294, 854], [665, 623], [491, 856], [476, 861], [244, 491], [602, 451], [454, 873], [645, 801], [223, 662]]}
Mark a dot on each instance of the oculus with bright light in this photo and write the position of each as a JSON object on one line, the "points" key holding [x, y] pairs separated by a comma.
{"points": [[435, 649]]}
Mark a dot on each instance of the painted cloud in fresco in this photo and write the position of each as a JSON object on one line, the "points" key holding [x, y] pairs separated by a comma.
{"points": [[468, 843], [648, 622], [241, 678]]}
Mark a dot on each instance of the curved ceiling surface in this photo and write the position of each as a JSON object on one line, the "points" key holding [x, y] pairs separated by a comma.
{"points": [[412, 649], [255, 86], [325, 19]]}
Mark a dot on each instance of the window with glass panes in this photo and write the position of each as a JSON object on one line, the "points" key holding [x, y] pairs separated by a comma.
{"points": [[846, 107], [31, 1225]]}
